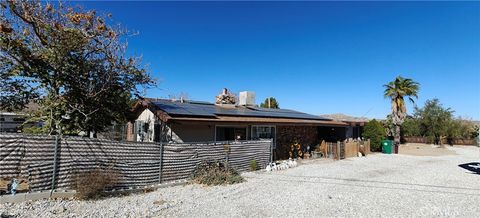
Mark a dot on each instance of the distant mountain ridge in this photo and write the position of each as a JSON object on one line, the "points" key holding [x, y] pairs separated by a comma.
{"points": [[344, 117]]}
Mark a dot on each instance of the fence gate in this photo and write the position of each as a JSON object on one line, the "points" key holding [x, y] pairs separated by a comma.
{"points": [[336, 150], [331, 150]]}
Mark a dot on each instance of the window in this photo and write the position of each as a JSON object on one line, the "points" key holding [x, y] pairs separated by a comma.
{"points": [[263, 132], [226, 133]]}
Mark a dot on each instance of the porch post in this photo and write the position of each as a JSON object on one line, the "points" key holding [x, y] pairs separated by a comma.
{"points": [[215, 134], [160, 165]]}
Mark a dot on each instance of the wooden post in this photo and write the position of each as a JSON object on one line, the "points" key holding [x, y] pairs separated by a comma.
{"points": [[325, 150], [338, 150], [358, 149], [214, 134]]}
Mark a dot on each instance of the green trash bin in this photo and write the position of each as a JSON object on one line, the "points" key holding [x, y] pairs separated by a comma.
{"points": [[387, 146]]}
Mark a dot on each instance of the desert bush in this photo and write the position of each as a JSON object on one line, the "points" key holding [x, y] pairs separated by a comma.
{"points": [[215, 173], [92, 184], [253, 165], [149, 189]]}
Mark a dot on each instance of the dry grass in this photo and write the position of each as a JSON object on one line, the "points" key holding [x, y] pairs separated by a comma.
{"points": [[93, 184], [215, 173], [149, 189]]}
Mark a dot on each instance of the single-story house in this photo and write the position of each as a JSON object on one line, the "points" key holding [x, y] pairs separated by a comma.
{"points": [[15, 121], [193, 121], [11, 122]]}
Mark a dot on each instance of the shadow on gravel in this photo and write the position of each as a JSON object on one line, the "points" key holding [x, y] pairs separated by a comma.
{"points": [[436, 190], [4, 215], [380, 182], [472, 167]]}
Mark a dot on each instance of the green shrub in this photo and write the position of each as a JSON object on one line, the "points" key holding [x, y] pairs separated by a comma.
{"points": [[215, 173], [93, 184], [35, 130], [253, 165], [411, 127], [374, 131]]}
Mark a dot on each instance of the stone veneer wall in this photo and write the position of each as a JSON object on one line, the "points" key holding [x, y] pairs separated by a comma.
{"points": [[287, 135]]}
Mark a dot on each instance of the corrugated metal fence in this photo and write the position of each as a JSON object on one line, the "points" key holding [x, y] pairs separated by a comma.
{"points": [[139, 164]]}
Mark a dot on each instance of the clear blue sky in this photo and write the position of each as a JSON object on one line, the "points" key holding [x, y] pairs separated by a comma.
{"points": [[316, 57]]}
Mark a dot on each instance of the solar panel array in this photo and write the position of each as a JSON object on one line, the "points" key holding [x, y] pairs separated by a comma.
{"points": [[211, 110], [187, 109]]}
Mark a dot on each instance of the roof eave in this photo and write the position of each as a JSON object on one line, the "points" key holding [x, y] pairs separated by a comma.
{"points": [[286, 121], [145, 103]]}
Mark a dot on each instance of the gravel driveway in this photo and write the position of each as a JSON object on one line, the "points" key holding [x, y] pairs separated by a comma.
{"points": [[379, 185]]}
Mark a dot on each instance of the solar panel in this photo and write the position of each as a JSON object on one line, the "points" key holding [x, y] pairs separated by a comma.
{"points": [[210, 110], [187, 109]]}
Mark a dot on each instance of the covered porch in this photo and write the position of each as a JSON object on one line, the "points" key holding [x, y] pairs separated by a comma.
{"points": [[283, 132]]}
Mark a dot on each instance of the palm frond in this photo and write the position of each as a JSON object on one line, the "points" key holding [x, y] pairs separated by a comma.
{"points": [[397, 90], [411, 100]]}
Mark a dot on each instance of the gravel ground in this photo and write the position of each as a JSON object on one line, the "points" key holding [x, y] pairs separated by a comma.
{"points": [[376, 186]]}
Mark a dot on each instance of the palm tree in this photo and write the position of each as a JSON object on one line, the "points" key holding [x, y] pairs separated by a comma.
{"points": [[396, 90]]}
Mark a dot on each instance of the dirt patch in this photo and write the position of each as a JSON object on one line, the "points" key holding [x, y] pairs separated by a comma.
{"points": [[417, 149]]}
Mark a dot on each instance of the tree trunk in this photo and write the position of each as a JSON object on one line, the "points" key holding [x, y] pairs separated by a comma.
{"points": [[397, 135]]}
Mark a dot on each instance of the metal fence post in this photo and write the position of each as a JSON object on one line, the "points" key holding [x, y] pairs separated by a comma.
{"points": [[214, 134], [271, 151], [161, 163], [54, 172], [227, 148], [226, 158]]}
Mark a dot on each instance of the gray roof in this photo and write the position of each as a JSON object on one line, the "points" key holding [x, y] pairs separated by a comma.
{"points": [[205, 109]]}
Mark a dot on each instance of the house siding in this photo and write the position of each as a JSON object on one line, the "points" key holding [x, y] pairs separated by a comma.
{"points": [[192, 133]]}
